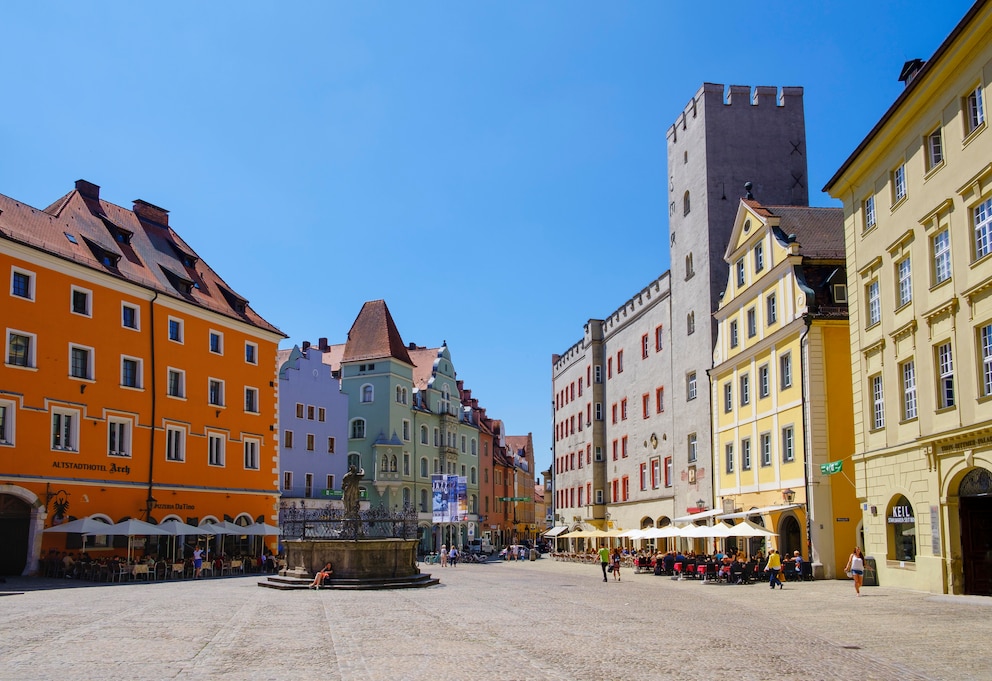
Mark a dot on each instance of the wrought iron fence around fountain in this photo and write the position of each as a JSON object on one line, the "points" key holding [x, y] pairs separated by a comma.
{"points": [[300, 522]]}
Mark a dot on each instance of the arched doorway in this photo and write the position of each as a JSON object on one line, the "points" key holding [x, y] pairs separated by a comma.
{"points": [[975, 493], [15, 517], [791, 536]]}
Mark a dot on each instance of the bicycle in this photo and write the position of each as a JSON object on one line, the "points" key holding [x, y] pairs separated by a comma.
{"points": [[432, 558]]}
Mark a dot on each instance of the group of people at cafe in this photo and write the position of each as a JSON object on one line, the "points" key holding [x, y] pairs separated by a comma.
{"points": [[194, 563], [732, 566]]}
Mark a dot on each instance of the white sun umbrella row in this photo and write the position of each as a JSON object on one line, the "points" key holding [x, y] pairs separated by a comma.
{"points": [[720, 530]]}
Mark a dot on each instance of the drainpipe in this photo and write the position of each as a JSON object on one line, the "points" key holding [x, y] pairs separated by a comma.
{"points": [[808, 464], [150, 500]]}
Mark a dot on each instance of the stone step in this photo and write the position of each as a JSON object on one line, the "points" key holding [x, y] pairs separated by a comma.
{"points": [[286, 583]]}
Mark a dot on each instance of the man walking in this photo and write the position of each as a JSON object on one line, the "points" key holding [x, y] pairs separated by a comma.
{"points": [[604, 559]]}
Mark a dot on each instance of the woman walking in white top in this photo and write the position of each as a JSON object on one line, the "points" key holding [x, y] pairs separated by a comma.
{"points": [[856, 568]]}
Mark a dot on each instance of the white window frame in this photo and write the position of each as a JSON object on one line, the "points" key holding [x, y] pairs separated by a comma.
{"points": [[904, 277], [287, 481], [139, 372], [90, 362], [32, 352], [869, 212], [690, 384], [181, 328], [31, 277], [216, 449], [877, 391], [137, 316], [406, 430], [250, 390], [119, 436], [746, 454], [728, 453], [252, 451], [367, 393], [940, 246], [219, 335], [759, 257], [985, 348], [353, 429], [874, 297], [175, 444], [734, 335], [741, 273], [981, 221], [331, 444], [170, 372], [63, 438], [73, 290], [974, 110], [253, 360], [788, 444], [899, 183], [764, 381], [771, 309], [222, 392], [745, 389], [765, 444], [728, 397], [8, 418], [945, 375], [934, 149], [907, 374], [692, 447], [287, 439], [785, 370]]}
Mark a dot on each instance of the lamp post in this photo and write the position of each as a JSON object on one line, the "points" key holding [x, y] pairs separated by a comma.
{"points": [[789, 495]]}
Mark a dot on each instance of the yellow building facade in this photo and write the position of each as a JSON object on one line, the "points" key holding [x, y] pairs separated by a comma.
{"points": [[135, 383], [917, 196], [781, 399]]}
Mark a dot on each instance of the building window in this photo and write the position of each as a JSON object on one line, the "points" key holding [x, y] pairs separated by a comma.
{"points": [[982, 220], [763, 381], [251, 454], [215, 450], [689, 271], [771, 307], [251, 400], [745, 381], [869, 212], [899, 184], [599, 411], [299, 410], [941, 245], [216, 343], [131, 372], [80, 362], [613, 410], [645, 348], [424, 437], [728, 397], [645, 405], [20, 349], [692, 447], [728, 452], [406, 430], [986, 346], [904, 275], [619, 361], [175, 330], [321, 414], [330, 445], [311, 411], [668, 471], [765, 442], [785, 370], [310, 442], [176, 383], [643, 470], [659, 400], [733, 334], [945, 376], [22, 284], [974, 110], [878, 402], [685, 204], [752, 323], [746, 454], [609, 368], [118, 436], [287, 439], [740, 273], [175, 444], [7, 412], [251, 353], [874, 303], [759, 257], [287, 481], [616, 450], [909, 390], [215, 392], [81, 299], [690, 386], [934, 149], [129, 316], [690, 323], [623, 409], [659, 342], [788, 444], [367, 393], [655, 473], [624, 451], [358, 429]]}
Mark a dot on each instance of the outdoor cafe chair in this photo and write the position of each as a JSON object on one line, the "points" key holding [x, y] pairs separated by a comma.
{"points": [[140, 570], [177, 570]]}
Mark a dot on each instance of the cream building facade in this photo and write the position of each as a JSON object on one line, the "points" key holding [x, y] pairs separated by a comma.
{"points": [[917, 195], [780, 383]]}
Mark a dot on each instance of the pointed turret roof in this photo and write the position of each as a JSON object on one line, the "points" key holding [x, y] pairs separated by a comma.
{"points": [[374, 336]]}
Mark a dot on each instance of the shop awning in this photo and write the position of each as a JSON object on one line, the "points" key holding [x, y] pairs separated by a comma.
{"points": [[693, 517], [555, 531], [759, 511]]}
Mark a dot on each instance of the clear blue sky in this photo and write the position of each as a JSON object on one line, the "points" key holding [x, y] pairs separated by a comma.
{"points": [[494, 171]]}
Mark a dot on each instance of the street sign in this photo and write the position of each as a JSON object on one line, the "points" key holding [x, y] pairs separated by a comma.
{"points": [[513, 498]]}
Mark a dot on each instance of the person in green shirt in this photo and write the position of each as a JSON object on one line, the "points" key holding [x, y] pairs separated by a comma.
{"points": [[773, 567], [604, 559]]}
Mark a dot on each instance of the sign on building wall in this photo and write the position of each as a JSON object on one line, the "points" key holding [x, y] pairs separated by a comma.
{"points": [[450, 498]]}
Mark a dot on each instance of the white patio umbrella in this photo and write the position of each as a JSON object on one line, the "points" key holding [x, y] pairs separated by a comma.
{"points": [[85, 526], [749, 529], [177, 528], [260, 530], [131, 528]]}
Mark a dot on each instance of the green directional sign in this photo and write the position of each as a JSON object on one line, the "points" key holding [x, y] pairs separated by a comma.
{"points": [[831, 467], [513, 498]]}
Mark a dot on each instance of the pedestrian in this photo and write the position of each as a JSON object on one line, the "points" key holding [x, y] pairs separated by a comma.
{"points": [[604, 559], [453, 556], [321, 575], [197, 561], [856, 569], [773, 567], [444, 555], [615, 564]]}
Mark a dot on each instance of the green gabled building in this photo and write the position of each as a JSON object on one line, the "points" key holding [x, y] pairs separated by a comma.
{"points": [[406, 423]]}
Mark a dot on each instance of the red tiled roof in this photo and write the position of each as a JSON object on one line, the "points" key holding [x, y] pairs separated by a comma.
{"points": [[819, 231], [423, 360], [374, 336], [153, 258]]}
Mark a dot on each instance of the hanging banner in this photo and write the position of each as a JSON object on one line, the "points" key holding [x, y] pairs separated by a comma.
{"points": [[462, 487], [831, 468], [440, 497]]}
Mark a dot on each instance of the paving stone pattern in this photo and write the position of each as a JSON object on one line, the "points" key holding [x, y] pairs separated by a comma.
{"points": [[508, 621]]}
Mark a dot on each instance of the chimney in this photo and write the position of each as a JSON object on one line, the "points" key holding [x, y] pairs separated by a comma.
{"points": [[306, 345], [88, 189], [322, 344], [909, 70], [151, 212]]}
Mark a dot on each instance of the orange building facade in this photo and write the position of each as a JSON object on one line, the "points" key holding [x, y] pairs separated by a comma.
{"points": [[135, 382]]}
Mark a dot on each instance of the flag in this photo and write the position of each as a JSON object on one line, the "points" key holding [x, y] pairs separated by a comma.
{"points": [[831, 467]]}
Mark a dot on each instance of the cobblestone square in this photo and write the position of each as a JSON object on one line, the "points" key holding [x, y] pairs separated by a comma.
{"points": [[528, 620]]}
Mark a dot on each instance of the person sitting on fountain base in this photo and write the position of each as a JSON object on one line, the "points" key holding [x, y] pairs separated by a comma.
{"points": [[323, 574]]}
